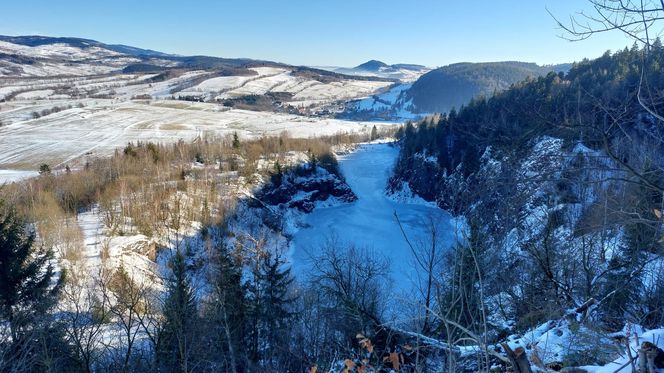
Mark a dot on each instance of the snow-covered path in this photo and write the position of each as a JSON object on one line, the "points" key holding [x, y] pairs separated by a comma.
{"points": [[369, 222]]}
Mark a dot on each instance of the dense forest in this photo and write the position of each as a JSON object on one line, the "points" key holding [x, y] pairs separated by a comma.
{"points": [[561, 180]]}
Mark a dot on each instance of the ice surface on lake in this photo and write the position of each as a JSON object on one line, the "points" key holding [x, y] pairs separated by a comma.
{"points": [[369, 222]]}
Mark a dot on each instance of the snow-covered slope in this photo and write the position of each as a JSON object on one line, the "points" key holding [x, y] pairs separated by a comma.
{"points": [[392, 104], [303, 90], [59, 59], [402, 72]]}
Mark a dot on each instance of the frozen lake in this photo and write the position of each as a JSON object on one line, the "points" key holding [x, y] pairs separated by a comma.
{"points": [[370, 222]]}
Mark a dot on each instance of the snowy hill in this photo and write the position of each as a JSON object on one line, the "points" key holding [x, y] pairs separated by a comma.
{"points": [[402, 72], [372, 65], [455, 85], [441, 89], [37, 40]]}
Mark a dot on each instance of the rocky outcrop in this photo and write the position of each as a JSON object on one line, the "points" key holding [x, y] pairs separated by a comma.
{"points": [[303, 189]]}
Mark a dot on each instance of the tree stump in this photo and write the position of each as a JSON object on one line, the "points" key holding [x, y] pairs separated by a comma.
{"points": [[518, 358]]}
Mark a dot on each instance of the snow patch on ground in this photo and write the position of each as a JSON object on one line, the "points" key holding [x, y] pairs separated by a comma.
{"points": [[11, 176]]}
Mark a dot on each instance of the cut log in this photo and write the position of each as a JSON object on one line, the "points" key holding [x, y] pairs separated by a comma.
{"points": [[650, 358], [584, 307], [642, 360], [522, 360], [518, 358]]}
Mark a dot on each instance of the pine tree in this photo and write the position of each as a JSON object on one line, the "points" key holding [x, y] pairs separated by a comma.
{"points": [[269, 309], [374, 133], [400, 133], [236, 141], [44, 169], [277, 174], [313, 160], [180, 319], [225, 313], [28, 289], [26, 274], [276, 302]]}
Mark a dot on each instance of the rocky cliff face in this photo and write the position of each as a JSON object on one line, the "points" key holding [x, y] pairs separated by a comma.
{"points": [[551, 173], [304, 188]]}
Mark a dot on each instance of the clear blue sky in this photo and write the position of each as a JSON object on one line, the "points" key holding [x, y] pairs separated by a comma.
{"points": [[317, 32]]}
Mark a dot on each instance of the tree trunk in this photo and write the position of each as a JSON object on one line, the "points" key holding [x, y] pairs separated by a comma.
{"points": [[231, 350]]}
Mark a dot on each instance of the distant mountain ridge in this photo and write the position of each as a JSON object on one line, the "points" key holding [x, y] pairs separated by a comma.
{"points": [[372, 65], [416, 90], [38, 55], [37, 40], [375, 66], [402, 71], [45, 69]]}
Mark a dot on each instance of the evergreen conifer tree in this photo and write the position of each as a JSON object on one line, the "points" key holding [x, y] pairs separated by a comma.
{"points": [[180, 315], [225, 314], [277, 303], [26, 274], [29, 288], [269, 309], [374, 133], [236, 141]]}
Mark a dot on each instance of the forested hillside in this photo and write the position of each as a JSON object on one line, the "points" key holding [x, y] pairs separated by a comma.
{"points": [[446, 88], [561, 180], [190, 213], [454, 85]]}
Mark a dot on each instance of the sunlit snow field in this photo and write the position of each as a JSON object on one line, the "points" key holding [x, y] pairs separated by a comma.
{"points": [[102, 126]]}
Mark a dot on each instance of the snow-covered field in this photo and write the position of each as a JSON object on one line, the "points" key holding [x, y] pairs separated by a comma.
{"points": [[369, 223], [305, 91], [394, 101], [9, 176], [68, 103], [391, 72], [63, 102], [101, 126]]}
